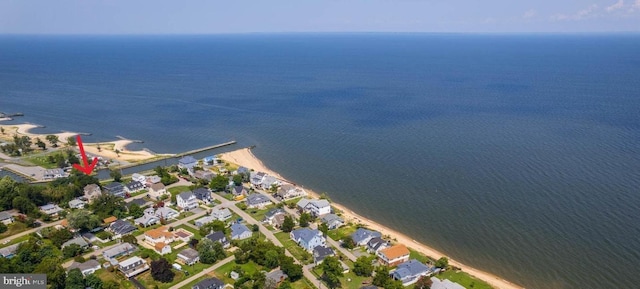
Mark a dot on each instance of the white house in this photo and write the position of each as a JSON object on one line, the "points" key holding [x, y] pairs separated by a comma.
{"points": [[86, 268], [139, 178], [77, 204], [133, 266], [314, 207], [187, 162], [6, 217], [158, 235], [240, 232], [187, 201], [156, 190], [54, 174], [257, 201], [308, 238], [289, 191], [162, 248], [51, 209], [221, 214]]}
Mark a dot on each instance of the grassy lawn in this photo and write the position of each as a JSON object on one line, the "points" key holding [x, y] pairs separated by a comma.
{"points": [[463, 279], [179, 189], [258, 214], [42, 160], [105, 275], [196, 233], [303, 283], [148, 282], [297, 251], [142, 192], [341, 232], [16, 241], [224, 270], [420, 257], [14, 228]]}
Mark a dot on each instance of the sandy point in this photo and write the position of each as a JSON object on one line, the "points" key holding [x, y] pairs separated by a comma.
{"points": [[244, 157], [23, 129], [108, 150]]}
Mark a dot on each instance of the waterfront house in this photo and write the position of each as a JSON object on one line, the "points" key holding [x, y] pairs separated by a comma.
{"points": [[256, 178], [186, 201], [187, 162], [86, 268], [121, 249], [362, 236], [188, 256], [78, 241], [308, 238], [157, 190], [120, 228], [394, 255], [209, 283], [133, 187], [219, 237], [139, 178], [289, 191], [376, 244], [276, 277], [51, 209], [314, 207], [221, 214], [91, 192], [321, 252], [333, 221], [6, 217], [54, 174], [133, 266], [257, 201], [114, 188], [77, 204], [146, 220], [240, 232], [409, 272], [444, 284], [203, 195], [242, 170], [269, 181], [152, 180]]}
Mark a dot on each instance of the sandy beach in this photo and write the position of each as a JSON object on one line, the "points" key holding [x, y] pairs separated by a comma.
{"points": [[23, 129], [245, 158]]}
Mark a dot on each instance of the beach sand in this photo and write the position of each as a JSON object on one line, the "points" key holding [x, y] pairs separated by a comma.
{"points": [[245, 158], [23, 129]]}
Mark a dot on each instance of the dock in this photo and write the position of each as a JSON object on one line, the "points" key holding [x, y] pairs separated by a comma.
{"points": [[206, 148]]}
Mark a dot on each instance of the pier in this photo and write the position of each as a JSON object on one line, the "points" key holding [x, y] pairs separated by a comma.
{"points": [[206, 148]]}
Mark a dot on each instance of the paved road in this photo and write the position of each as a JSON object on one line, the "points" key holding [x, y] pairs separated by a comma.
{"points": [[204, 272], [27, 232]]}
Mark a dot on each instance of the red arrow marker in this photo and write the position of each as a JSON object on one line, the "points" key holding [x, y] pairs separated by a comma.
{"points": [[87, 168]]}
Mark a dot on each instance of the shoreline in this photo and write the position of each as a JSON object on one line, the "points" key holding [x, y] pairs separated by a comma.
{"points": [[244, 157]]}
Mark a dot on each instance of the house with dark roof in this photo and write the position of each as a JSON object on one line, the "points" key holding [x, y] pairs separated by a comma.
{"points": [[140, 202], [86, 268], [308, 238], [6, 217], [187, 201], [133, 187], [189, 256], [321, 252], [120, 228], [409, 272], [209, 283], [204, 175], [362, 236], [333, 221], [240, 232], [114, 188], [203, 195], [133, 266], [376, 244], [257, 201], [239, 190], [219, 237], [242, 170]]}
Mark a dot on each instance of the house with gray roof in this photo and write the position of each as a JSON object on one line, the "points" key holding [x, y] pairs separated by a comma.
{"points": [[257, 201], [409, 272], [221, 214], [187, 162], [120, 228], [51, 209], [6, 217], [119, 250], [187, 201], [114, 188], [362, 236], [321, 252], [146, 220], [314, 207], [189, 256], [204, 220], [209, 283], [270, 216], [133, 187], [444, 284], [140, 202], [276, 276], [77, 204], [333, 221], [91, 192], [133, 266], [54, 174], [376, 244], [256, 178], [203, 195], [308, 238], [9, 251], [219, 237], [204, 175], [78, 241], [240, 232], [289, 191], [239, 190], [242, 170], [86, 268], [269, 181], [166, 213]]}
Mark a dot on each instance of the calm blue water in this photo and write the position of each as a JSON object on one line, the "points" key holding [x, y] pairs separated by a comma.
{"points": [[515, 154]]}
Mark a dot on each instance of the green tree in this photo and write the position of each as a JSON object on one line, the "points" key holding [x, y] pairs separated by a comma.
{"points": [[2, 130], [218, 183], [442, 263], [382, 276], [285, 285], [23, 205], [83, 220], [110, 284], [131, 239], [305, 218], [3, 228], [116, 175], [161, 271], [93, 281], [53, 140], [107, 205], [117, 151], [74, 280], [289, 267], [324, 229], [347, 242], [56, 275], [215, 226], [424, 282], [41, 144], [331, 271], [210, 251], [72, 250], [363, 266], [287, 224], [58, 237], [271, 259], [237, 179], [71, 141], [136, 211]]}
